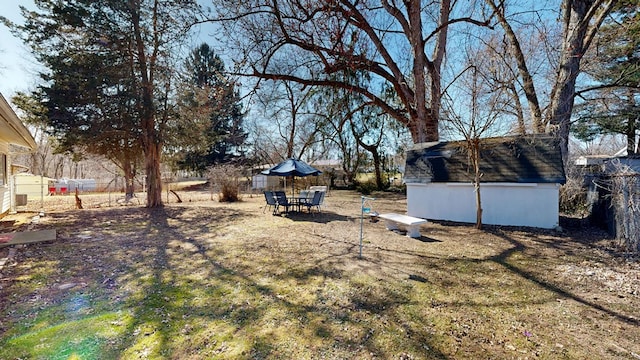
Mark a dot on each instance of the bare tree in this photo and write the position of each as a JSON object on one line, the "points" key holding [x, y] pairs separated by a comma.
{"points": [[580, 21], [388, 39], [334, 113], [293, 126], [476, 120], [501, 74]]}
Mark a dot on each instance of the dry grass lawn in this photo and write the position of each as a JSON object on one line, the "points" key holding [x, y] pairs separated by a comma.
{"points": [[205, 280]]}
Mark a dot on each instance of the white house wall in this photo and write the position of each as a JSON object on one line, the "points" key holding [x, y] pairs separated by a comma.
{"points": [[5, 197], [5, 190], [511, 204]]}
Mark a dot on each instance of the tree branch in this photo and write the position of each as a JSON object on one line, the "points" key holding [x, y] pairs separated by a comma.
{"points": [[398, 114]]}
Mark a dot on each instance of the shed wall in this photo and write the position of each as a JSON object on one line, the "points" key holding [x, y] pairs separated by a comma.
{"points": [[34, 186], [511, 204]]}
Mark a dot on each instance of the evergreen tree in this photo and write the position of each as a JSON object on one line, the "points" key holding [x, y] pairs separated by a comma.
{"points": [[211, 126], [613, 106], [107, 78]]}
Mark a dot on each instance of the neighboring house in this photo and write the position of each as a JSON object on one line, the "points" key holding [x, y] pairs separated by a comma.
{"points": [[521, 178], [12, 132], [264, 182]]}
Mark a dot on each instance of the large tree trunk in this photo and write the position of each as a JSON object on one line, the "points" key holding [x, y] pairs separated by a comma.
{"points": [[578, 33], [561, 105], [432, 119], [150, 138], [154, 178], [424, 128], [424, 117], [420, 116]]}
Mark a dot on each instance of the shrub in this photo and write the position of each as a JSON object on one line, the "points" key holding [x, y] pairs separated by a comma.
{"points": [[226, 180], [573, 197], [366, 187], [573, 194]]}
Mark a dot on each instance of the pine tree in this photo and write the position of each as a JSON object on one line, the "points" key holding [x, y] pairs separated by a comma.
{"points": [[613, 107], [211, 113]]}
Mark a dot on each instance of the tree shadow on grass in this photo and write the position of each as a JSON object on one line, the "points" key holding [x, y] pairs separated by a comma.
{"points": [[235, 302], [566, 245], [517, 246], [320, 218], [163, 309], [421, 238]]}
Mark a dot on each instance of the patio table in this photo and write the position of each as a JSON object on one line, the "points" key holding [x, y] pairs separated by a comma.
{"points": [[296, 203]]}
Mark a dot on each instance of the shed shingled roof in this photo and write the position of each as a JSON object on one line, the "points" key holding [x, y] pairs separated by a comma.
{"points": [[514, 159]]}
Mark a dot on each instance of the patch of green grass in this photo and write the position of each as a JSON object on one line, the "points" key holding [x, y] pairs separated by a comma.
{"points": [[94, 337]]}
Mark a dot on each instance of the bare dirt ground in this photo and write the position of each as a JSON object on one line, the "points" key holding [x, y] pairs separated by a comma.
{"points": [[456, 292]]}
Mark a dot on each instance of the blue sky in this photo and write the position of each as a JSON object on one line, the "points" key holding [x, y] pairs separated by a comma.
{"points": [[17, 66]]}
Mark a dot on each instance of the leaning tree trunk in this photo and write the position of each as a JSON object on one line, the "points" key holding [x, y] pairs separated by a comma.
{"points": [[525, 75], [582, 19]]}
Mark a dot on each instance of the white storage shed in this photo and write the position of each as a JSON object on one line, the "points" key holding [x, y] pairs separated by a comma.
{"points": [[34, 186], [521, 178]]}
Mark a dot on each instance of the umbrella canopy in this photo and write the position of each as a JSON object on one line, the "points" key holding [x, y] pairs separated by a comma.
{"points": [[292, 167]]}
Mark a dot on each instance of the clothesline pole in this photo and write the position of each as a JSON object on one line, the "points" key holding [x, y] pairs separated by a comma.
{"points": [[363, 210]]}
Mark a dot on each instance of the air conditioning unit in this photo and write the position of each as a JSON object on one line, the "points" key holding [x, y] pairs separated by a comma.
{"points": [[21, 199]]}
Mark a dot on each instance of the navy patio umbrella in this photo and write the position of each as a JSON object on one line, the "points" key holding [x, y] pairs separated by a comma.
{"points": [[292, 167]]}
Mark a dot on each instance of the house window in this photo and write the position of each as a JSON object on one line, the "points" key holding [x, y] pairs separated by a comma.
{"points": [[3, 169]]}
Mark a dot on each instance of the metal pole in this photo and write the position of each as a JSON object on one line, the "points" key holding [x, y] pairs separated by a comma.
{"points": [[42, 191], [362, 211], [361, 222]]}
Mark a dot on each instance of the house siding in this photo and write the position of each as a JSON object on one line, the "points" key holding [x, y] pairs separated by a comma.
{"points": [[5, 190], [12, 131], [5, 197], [511, 204]]}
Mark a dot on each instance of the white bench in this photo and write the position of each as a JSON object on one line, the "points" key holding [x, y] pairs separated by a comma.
{"points": [[392, 220]]}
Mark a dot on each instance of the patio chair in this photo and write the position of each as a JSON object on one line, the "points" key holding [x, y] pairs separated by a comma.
{"points": [[271, 202], [281, 200], [316, 201], [305, 195], [323, 193]]}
